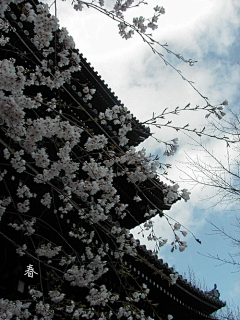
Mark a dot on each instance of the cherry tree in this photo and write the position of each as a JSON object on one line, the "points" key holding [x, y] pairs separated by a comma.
{"points": [[58, 166]]}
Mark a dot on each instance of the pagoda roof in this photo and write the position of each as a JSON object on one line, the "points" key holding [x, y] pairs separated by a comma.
{"points": [[141, 132], [182, 283], [185, 300]]}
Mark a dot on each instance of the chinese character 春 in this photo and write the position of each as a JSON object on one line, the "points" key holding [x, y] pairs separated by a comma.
{"points": [[30, 271]]}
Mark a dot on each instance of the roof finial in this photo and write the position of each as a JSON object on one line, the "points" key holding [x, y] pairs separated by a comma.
{"points": [[214, 292]]}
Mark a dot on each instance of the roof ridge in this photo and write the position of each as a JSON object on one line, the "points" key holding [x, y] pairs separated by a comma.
{"points": [[181, 279]]}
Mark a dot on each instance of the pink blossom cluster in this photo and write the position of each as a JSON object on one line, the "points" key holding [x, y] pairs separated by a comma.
{"points": [[131, 313], [122, 6], [85, 275], [24, 206], [21, 250], [137, 295], [4, 25], [25, 226], [126, 30], [23, 191], [46, 200], [35, 293], [50, 128], [44, 25], [44, 309], [101, 297], [171, 148], [118, 115], [125, 246], [3, 40], [182, 245], [171, 194], [56, 296], [67, 260], [88, 93], [9, 309], [3, 205], [48, 250], [96, 142], [4, 5]]}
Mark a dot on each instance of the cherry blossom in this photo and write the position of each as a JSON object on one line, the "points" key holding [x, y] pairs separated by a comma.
{"points": [[21, 250], [48, 251], [182, 246], [66, 170], [56, 296]]}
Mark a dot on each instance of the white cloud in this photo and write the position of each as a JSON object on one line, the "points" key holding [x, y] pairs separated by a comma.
{"points": [[235, 293]]}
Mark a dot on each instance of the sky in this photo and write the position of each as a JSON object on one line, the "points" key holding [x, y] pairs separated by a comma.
{"points": [[204, 30]]}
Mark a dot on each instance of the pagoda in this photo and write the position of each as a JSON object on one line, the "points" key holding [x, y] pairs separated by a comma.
{"points": [[82, 99]]}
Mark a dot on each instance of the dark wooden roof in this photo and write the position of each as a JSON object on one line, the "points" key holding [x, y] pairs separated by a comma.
{"points": [[183, 291], [109, 99]]}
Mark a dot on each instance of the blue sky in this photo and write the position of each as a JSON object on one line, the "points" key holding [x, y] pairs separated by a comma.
{"points": [[206, 31]]}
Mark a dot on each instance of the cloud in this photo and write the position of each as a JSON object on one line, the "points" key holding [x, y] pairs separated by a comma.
{"points": [[235, 293], [201, 26]]}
